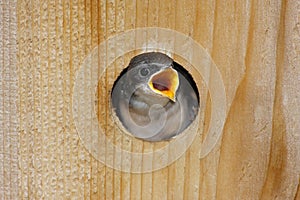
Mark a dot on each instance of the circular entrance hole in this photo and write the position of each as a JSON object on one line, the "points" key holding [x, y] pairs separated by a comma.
{"points": [[154, 97]]}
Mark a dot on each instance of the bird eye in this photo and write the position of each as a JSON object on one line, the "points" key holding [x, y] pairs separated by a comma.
{"points": [[144, 71]]}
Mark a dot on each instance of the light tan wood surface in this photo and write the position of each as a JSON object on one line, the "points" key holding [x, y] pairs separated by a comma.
{"points": [[254, 44], [9, 101]]}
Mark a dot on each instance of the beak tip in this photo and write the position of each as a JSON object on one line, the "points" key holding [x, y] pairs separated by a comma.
{"points": [[173, 98]]}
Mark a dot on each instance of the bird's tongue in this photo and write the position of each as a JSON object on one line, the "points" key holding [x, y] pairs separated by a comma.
{"points": [[165, 83], [161, 85]]}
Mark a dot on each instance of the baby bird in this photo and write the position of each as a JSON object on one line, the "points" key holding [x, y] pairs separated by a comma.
{"points": [[154, 97]]}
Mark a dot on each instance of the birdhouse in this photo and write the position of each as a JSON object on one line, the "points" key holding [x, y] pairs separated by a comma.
{"points": [[186, 99]]}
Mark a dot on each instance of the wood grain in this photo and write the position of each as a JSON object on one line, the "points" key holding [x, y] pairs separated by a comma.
{"points": [[9, 99], [254, 44]]}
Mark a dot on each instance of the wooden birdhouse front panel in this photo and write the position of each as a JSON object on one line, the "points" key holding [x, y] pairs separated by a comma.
{"points": [[60, 137]]}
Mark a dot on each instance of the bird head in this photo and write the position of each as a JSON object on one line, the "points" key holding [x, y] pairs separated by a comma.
{"points": [[154, 74]]}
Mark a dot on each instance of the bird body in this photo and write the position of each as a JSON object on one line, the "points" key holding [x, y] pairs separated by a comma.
{"points": [[153, 98]]}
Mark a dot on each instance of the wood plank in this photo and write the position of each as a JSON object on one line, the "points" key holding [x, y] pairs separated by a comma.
{"points": [[254, 45], [246, 140], [9, 101]]}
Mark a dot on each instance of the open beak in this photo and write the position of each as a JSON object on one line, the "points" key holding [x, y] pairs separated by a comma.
{"points": [[165, 83]]}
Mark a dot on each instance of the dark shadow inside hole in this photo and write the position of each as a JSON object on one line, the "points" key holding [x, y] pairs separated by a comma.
{"points": [[147, 112], [188, 77]]}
